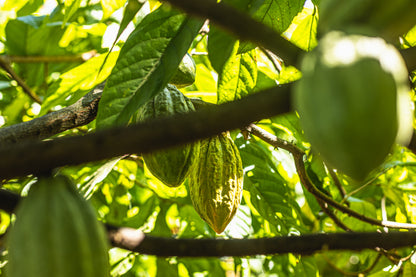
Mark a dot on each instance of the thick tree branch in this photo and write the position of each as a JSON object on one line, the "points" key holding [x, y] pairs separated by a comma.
{"points": [[41, 156], [78, 114], [241, 25], [137, 241]]}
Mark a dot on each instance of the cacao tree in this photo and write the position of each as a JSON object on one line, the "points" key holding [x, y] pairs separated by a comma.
{"points": [[207, 138]]}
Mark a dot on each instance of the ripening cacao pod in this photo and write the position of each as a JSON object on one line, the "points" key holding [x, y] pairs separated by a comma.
{"points": [[170, 166], [56, 233], [353, 101], [185, 74], [216, 183]]}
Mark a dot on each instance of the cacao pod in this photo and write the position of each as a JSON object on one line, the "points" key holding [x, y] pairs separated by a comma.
{"points": [[216, 183], [353, 101], [56, 233], [170, 166], [185, 74]]}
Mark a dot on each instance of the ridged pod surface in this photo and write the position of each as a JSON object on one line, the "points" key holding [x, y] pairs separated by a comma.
{"points": [[170, 166], [353, 101], [216, 183], [56, 233]]}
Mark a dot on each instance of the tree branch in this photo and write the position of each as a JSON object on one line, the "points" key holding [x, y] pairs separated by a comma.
{"points": [[42, 156], [135, 240], [51, 59], [78, 114], [241, 25]]}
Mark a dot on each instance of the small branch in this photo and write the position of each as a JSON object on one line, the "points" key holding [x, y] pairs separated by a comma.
{"points": [[336, 181], [51, 59], [40, 156], [241, 25], [6, 66], [331, 215], [78, 114]]}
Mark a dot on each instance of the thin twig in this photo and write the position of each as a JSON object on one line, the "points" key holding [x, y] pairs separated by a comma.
{"points": [[7, 67], [336, 181], [332, 216], [51, 59]]}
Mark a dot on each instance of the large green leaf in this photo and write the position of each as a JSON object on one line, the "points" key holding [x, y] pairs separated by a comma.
{"points": [[278, 14], [238, 77], [269, 193], [74, 83], [302, 31], [220, 48], [146, 63]]}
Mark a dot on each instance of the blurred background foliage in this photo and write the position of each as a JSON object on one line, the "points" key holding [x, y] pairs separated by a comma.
{"points": [[77, 44]]}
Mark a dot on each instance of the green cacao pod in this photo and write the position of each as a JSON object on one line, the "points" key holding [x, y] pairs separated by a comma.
{"points": [[353, 101], [185, 74], [170, 166], [56, 233], [216, 183]]}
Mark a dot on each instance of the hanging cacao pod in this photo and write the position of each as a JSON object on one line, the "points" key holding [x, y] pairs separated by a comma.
{"points": [[353, 101], [216, 183], [56, 233], [170, 166]]}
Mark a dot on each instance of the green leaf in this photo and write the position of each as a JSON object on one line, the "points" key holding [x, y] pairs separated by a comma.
{"points": [[203, 267], [238, 77], [306, 267], [302, 31], [71, 6], [110, 6], [165, 268], [269, 193], [220, 47], [409, 269], [146, 63], [132, 7], [74, 83], [278, 14]]}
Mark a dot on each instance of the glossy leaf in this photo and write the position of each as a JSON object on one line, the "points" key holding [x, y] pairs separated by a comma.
{"points": [[146, 63], [238, 76]]}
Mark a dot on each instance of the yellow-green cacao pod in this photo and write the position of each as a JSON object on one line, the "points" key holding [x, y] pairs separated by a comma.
{"points": [[170, 166], [185, 74], [216, 183], [56, 233], [353, 101]]}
